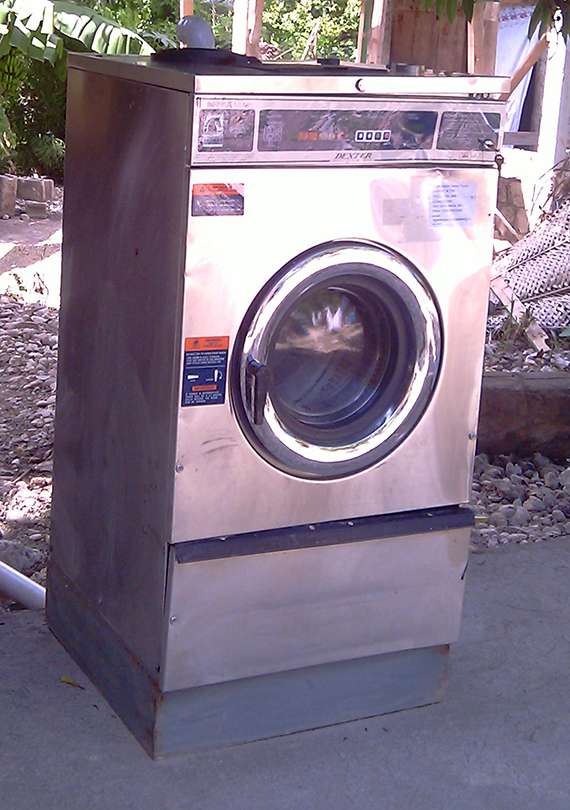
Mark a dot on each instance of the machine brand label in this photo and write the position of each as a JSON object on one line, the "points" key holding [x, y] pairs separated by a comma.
{"points": [[353, 156], [217, 200], [205, 369]]}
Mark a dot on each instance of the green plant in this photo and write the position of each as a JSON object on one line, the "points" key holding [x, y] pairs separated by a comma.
{"points": [[547, 14], [35, 36]]}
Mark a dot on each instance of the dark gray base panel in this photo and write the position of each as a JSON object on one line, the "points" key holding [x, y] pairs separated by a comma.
{"points": [[238, 711]]}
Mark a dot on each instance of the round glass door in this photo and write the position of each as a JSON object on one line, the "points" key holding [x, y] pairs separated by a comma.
{"points": [[336, 360]]}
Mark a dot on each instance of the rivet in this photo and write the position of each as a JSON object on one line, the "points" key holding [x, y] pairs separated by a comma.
{"points": [[173, 619], [179, 468]]}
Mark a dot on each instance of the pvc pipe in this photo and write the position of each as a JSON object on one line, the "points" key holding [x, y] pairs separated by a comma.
{"points": [[21, 588]]}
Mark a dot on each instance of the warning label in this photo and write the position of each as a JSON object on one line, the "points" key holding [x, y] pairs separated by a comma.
{"points": [[205, 369], [217, 200]]}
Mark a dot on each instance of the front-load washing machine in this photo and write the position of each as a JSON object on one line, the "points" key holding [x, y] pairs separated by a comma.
{"points": [[274, 297], [338, 252]]}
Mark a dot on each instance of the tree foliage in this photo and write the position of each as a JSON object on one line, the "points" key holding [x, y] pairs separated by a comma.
{"points": [[547, 14]]}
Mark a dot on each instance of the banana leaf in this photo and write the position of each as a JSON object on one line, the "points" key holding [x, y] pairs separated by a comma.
{"points": [[44, 30]]}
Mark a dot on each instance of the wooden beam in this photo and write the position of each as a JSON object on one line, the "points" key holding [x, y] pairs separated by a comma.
{"points": [[378, 46], [482, 34], [527, 64], [186, 8], [246, 26]]}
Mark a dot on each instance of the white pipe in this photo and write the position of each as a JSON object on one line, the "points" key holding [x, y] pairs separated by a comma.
{"points": [[21, 588]]}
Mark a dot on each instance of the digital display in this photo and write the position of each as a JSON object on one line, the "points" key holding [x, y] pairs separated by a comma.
{"points": [[322, 130]]}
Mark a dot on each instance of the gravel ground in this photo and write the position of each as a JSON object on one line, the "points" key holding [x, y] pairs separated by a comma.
{"points": [[515, 500]]}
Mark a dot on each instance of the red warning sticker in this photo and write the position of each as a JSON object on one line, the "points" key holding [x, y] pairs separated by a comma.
{"points": [[217, 200], [206, 344]]}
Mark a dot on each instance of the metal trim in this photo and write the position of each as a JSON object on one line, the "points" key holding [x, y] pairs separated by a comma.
{"points": [[325, 534], [296, 453]]}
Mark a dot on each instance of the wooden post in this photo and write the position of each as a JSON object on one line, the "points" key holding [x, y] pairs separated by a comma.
{"points": [[482, 34], [374, 43], [186, 8], [246, 26]]}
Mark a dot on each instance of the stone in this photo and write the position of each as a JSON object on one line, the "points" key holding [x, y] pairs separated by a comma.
{"points": [[533, 504], [521, 517], [36, 189], [20, 557], [564, 477], [498, 521], [558, 515], [508, 511], [551, 480], [36, 210], [8, 187], [507, 489]]}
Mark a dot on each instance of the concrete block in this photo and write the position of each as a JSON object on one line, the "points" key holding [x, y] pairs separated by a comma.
{"points": [[8, 187], [36, 210], [36, 189], [525, 413]]}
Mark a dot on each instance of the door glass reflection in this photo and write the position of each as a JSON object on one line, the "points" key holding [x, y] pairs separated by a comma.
{"points": [[329, 355]]}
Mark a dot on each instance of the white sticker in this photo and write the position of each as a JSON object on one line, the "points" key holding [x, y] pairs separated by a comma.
{"points": [[453, 204]]}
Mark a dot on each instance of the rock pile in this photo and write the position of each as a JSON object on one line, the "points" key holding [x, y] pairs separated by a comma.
{"points": [[28, 356], [519, 358], [519, 500]]}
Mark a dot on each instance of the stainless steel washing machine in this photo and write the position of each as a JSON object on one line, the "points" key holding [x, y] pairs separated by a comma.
{"points": [[273, 311], [352, 299]]}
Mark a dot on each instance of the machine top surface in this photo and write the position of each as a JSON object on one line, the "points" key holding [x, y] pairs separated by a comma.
{"points": [[217, 72]]}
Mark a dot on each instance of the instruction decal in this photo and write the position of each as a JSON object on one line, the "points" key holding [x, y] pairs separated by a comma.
{"points": [[205, 369], [453, 204], [217, 200]]}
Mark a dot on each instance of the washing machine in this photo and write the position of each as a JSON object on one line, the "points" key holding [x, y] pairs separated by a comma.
{"points": [[342, 269], [274, 297]]}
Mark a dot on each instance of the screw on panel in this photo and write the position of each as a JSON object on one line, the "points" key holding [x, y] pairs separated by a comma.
{"points": [[179, 468], [472, 435], [173, 619]]}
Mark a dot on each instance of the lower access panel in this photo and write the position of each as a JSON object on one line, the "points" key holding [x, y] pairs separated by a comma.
{"points": [[237, 617]]}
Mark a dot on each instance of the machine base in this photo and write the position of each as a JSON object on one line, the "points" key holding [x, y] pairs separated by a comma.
{"points": [[240, 711]]}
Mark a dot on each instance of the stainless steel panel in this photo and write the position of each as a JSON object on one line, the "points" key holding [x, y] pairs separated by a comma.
{"points": [[245, 616], [224, 486], [386, 86], [253, 108], [142, 69], [124, 224]]}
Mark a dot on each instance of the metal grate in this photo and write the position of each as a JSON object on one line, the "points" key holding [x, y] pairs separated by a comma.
{"points": [[537, 269]]}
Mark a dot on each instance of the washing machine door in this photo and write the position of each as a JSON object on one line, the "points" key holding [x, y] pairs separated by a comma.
{"points": [[336, 360]]}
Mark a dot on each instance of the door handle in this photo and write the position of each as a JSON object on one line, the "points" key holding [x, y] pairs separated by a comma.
{"points": [[257, 380]]}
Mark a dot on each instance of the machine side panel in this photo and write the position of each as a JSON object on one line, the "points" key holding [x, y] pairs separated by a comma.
{"points": [[124, 238]]}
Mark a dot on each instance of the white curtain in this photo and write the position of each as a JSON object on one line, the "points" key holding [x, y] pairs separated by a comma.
{"points": [[513, 45]]}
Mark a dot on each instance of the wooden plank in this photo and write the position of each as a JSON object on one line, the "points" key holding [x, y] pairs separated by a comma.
{"points": [[186, 8], [378, 52], [482, 34], [527, 64], [246, 26], [521, 139], [419, 38]]}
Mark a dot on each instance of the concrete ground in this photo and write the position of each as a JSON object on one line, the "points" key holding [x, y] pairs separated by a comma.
{"points": [[499, 741]]}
